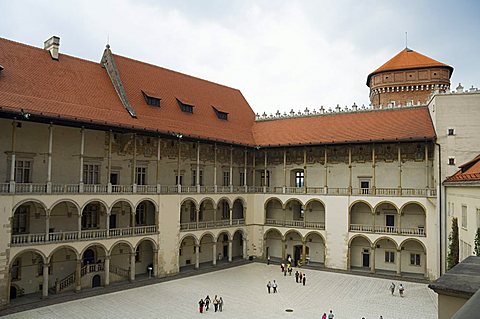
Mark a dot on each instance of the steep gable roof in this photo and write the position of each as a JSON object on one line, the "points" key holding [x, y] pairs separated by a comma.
{"points": [[469, 172]]}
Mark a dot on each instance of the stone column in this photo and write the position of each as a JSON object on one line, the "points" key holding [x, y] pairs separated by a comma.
{"points": [[197, 175], [108, 224], [78, 275], [82, 152], [244, 247], [284, 170], [132, 219], [179, 184], [374, 183], [230, 184], [254, 170], [350, 173], [13, 157], [132, 266], [284, 247], [231, 215], [214, 251], [47, 225], [326, 171], [245, 171], [265, 183], [399, 262], [230, 251], [45, 281], [372, 260], [305, 170], [197, 256], [109, 161], [79, 225], [197, 213], [399, 170], [349, 258], [215, 167], [155, 263], [304, 252], [107, 270], [427, 182], [134, 161], [49, 160], [157, 177]]}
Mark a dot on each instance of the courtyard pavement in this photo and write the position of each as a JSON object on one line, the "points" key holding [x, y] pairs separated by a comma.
{"points": [[244, 292]]}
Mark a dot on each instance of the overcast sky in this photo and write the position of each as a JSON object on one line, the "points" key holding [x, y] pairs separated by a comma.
{"points": [[280, 54]]}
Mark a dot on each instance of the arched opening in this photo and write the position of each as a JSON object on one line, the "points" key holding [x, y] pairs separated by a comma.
{"points": [[93, 263], [120, 216], [188, 215], [386, 219], [223, 213], [92, 219], [315, 249], [120, 262], [314, 215], [237, 245], [413, 258], [13, 292], [63, 220], [412, 220], [30, 218], [206, 214], [63, 262], [386, 255], [222, 246], [26, 274], [273, 245], [206, 249], [144, 259], [145, 214], [361, 217], [360, 252], [294, 247], [187, 252], [274, 213], [238, 210], [96, 281]]}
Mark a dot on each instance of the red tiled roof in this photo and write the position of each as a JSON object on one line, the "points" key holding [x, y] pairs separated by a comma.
{"points": [[382, 125], [469, 171], [80, 90], [408, 59]]}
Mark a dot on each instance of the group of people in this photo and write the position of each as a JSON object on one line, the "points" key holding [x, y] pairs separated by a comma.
{"points": [[401, 289], [273, 285], [330, 315], [205, 304], [300, 277]]}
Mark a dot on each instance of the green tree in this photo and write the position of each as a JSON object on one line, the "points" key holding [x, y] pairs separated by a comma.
{"points": [[453, 247], [477, 243]]}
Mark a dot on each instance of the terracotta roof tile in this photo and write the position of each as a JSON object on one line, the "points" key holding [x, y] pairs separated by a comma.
{"points": [[382, 125], [408, 59], [468, 172]]}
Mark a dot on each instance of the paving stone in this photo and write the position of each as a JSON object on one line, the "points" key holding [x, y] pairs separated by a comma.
{"points": [[245, 294]]}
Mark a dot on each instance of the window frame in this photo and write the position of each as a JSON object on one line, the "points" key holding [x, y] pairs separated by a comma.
{"points": [[390, 256], [91, 173], [23, 172]]}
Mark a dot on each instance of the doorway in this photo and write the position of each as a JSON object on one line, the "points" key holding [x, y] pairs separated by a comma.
{"points": [[13, 292], [366, 258], [225, 251], [114, 178], [96, 281], [390, 222], [297, 253], [88, 257], [113, 221]]}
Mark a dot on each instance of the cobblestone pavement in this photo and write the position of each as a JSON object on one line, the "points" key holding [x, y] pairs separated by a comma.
{"points": [[245, 294]]}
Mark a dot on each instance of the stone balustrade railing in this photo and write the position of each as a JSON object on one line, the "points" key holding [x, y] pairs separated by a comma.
{"points": [[393, 230], [295, 223], [211, 224]]}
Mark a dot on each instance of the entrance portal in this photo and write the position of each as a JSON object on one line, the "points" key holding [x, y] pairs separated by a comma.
{"points": [[13, 292], [366, 259], [96, 281], [297, 253]]}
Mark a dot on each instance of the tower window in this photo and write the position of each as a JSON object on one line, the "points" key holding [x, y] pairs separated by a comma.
{"points": [[221, 115], [451, 132], [451, 161], [185, 106]]}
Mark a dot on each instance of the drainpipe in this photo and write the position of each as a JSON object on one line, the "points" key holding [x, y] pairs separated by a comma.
{"points": [[440, 206]]}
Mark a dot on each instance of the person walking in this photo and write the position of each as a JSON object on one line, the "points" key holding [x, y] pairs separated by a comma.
{"points": [[269, 285], [285, 272], [201, 303], [324, 316], [215, 303], [274, 286], [289, 269], [401, 289], [304, 279], [296, 276], [220, 304], [207, 302], [392, 288], [300, 277], [282, 266], [331, 315], [268, 260]]}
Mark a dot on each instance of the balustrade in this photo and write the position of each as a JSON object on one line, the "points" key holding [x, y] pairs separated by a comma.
{"points": [[419, 231]]}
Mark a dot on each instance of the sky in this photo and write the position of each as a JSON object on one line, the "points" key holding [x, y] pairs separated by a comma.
{"points": [[281, 55]]}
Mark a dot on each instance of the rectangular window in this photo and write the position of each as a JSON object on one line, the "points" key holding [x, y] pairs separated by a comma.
{"points": [[141, 176], [299, 179], [464, 216], [194, 177], [20, 220], [153, 101], [451, 161], [390, 257], [221, 115], [365, 186], [187, 108], [451, 132], [226, 178], [23, 171], [141, 215], [91, 173], [177, 181], [242, 178], [90, 217], [225, 211], [265, 181], [415, 259]]}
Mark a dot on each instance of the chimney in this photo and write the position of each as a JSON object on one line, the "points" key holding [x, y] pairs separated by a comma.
{"points": [[52, 45]]}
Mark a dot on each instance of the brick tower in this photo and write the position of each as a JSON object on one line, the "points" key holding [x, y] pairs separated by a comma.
{"points": [[408, 78]]}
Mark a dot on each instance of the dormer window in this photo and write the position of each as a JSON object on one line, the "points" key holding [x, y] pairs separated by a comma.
{"points": [[220, 114], [185, 106], [151, 99]]}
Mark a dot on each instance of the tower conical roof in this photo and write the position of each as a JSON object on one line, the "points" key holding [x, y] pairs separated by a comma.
{"points": [[408, 59]]}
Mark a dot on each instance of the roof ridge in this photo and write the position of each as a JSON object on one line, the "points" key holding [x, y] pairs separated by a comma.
{"points": [[43, 50], [173, 71]]}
